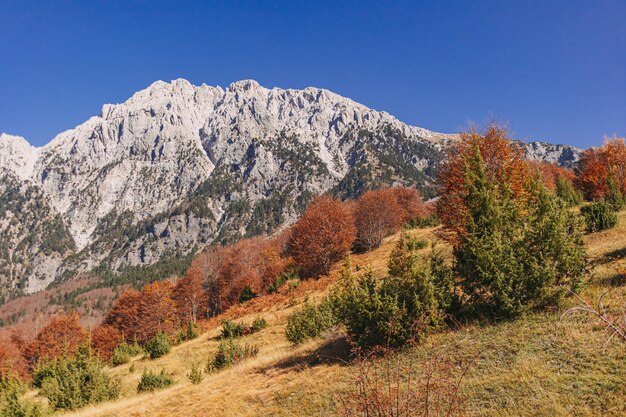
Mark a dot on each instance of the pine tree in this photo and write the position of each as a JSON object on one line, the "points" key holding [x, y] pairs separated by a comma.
{"points": [[514, 257]]}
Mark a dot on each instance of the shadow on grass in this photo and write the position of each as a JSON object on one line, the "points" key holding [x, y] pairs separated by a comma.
{"points": [[615, 255], [333, 351], [619, 278]]}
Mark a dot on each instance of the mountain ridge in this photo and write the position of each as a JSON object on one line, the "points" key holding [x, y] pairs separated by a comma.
{"points": [[178, 166]]}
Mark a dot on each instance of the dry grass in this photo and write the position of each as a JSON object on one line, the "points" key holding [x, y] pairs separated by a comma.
{"points": [[540, 365]]}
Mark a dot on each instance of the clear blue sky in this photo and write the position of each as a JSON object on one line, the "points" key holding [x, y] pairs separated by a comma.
{"points": [[554, 70]]}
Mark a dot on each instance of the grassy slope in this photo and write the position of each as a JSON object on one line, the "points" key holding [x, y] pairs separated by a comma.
{"points": [[544, 364]]}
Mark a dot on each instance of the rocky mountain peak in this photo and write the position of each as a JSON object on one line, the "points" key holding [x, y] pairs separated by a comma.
{"points": [[179, 166], [17, 156]]}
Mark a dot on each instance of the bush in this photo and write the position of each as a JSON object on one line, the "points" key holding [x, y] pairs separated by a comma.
{"points": [[151, 381], [599, 216], [565, 191], [124, 353], [415, 244], [309, 322], [258, 324], [11, 404], [515, 254], [402, 307], [229, 353], [71, 382], [195, 375], [231, 330], [247, 294], [190, 332], [615, 197], [158, 346], [431, 220]]}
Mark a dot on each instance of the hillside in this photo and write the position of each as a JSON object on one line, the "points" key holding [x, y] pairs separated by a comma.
{"points": [[177, 167], [542, 364]]}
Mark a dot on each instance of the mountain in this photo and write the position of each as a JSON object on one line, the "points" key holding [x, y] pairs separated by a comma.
{"points": [[179, 166]]}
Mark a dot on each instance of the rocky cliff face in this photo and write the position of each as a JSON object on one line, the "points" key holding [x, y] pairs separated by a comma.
{"points": [[179, 166]]}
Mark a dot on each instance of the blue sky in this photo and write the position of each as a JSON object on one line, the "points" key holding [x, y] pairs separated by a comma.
{"points": [[554, 70]]}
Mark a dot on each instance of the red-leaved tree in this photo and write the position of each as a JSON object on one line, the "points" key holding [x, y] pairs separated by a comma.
{"points": [[322, 236], [377, 214], [104, 340], [62, 335], [599, 166], [189, 295], [124, 315]]}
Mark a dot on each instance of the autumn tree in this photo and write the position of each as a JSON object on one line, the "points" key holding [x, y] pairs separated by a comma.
{"points": [[209, 264], [377, 214], [189, 295], [124, 315], [410, 201], [157, 311], [104, 340], [62, 335], [323, 235], [601, 168], [504, 165]]}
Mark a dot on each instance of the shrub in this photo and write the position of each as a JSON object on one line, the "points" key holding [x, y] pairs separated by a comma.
{"points": [[229, 353], [599, 216], [432, 220], [195, 375], [399, 308], [515, 254], [258, 324], [71, 382], [398, 387], [151, 381], [158, 346], [615, 197], [308, 323], [322, 236], [190, 332], [247, 294], [565, 191], [11, 404], [502, 162], [415, 244], [231, 330], [124, 353]]}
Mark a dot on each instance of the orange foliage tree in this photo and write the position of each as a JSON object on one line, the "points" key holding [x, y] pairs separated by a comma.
{"points": [[377, 214], [411, 203], [63, 334], [505, 165], [599, 165], [323, 235], [189, 295], [224, 273], [105, 339], [157, 311], [124, 315], [139, 316]]}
